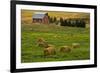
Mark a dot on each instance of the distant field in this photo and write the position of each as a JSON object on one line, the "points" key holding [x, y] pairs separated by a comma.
{"points": [[26, 15], [53, 34]]}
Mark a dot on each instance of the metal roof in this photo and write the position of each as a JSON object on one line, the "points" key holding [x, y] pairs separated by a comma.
{"points": [[40, 12], [39, 15]]}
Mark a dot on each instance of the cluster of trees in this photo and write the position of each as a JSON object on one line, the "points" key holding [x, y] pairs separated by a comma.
{"points": [[72, 22], [68, 22], [53, 20]]}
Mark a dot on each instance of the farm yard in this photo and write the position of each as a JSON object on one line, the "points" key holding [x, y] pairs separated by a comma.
{"points": [[55, 35]]}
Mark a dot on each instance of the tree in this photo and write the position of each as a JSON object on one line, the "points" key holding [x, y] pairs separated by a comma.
{"points": [[54, 19], [50, 19], [83, 24], [61, 21], [57, 22]]}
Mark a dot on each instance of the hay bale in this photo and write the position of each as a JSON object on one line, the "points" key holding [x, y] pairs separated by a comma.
{"points": [[41, 42], [49, 51], [65, 49], [75, 45], [49, 45]]}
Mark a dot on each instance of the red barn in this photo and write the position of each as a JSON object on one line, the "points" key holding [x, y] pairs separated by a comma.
{"points": [[40, 17]]}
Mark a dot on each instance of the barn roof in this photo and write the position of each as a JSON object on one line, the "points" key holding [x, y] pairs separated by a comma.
{"points": [[39, 15], [40, 12]]}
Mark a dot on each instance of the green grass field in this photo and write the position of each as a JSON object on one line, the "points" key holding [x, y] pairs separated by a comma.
{"points": [[55, 35]]}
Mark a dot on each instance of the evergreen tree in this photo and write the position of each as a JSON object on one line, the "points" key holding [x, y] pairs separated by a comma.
{"points": [[55, 19], [61, 21]]}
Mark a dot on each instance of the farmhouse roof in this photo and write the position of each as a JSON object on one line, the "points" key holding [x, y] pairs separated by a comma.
{"points": [[39, 15]]}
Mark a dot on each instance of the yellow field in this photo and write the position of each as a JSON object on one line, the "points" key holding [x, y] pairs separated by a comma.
{"points": [[26, 16]]}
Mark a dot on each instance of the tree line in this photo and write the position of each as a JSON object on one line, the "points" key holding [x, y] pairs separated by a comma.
{"points": [[68, 22]]}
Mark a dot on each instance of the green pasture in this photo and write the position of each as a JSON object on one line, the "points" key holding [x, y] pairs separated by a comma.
{"points": [[57, 36]]}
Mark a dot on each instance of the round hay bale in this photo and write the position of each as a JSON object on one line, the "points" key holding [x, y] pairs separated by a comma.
{"points": [[41, 42], [65, 49], [49, 45], [75, 45], [49, 51]]}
